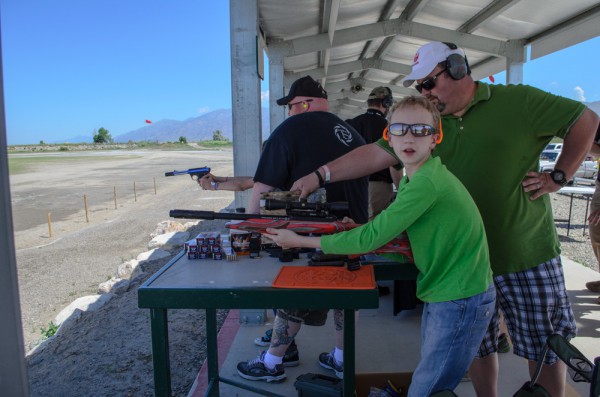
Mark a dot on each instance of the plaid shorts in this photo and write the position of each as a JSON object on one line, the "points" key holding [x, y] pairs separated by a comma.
{"points": [[308, 317], [535, 305]]}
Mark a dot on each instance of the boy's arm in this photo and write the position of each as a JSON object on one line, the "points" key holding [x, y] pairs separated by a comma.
{"points": [[288, 239]]}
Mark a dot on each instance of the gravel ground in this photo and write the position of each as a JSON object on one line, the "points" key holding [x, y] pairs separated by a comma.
{"points": [[576, 246], [108, 352]]}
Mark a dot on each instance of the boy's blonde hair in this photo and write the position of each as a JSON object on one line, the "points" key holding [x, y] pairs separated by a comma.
{"points": [[418, 101]]}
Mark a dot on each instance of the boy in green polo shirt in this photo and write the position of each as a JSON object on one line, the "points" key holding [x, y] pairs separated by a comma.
{"points": [[448, 242]]}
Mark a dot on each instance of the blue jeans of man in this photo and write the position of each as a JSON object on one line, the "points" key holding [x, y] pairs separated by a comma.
{"points": [[451, 333]]}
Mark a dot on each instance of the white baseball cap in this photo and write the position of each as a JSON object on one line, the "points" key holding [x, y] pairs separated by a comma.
{"points": [[427, 58]]}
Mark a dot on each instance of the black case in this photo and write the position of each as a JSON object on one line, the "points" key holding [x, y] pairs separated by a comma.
{"points": [[317, 385]]}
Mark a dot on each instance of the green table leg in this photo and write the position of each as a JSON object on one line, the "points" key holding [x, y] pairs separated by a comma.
{"points": [[160, 352], [212, 353], [349, 352]]}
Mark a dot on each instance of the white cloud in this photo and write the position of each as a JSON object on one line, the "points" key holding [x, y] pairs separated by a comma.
{"points": [[203, 110], [579, 94], [264, 96]]}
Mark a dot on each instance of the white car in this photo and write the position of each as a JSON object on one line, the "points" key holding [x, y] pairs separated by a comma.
{"points": [[554, 146], [588, 168]]}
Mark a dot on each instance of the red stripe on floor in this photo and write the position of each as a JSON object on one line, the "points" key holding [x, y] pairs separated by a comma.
{"points": [[224, 341]]}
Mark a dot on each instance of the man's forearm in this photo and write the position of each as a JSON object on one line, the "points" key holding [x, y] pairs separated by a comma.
{"points": [[362, 161], [254, 202], [578, 143]]}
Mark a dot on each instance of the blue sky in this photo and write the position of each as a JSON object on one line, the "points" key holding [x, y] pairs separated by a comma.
{"points": [[73, 66]]}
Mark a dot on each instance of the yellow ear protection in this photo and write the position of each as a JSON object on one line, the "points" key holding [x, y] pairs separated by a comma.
{"points": [[305, 105], [456, 65]]}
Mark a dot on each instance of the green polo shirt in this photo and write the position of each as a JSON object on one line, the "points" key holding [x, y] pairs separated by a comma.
{"points": [[490, 149]]}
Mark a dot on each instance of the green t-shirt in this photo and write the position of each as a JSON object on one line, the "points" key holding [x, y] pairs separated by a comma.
{"points": [[445, 230], [490, 149]]}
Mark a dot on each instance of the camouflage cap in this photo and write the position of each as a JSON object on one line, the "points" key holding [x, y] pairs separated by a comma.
{"points": [[380, 93]]}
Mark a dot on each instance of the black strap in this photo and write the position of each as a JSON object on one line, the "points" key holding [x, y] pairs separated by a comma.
{"points": [[321, 180]]}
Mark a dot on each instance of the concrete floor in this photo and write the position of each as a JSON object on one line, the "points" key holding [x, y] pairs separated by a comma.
{"points": [[387, 343]]}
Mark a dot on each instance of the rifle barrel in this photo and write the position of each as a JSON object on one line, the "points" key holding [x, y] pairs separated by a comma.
{"points": [[210, 215]]}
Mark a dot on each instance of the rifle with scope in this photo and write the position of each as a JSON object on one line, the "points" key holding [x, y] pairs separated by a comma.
{"points": [[305, 218]]}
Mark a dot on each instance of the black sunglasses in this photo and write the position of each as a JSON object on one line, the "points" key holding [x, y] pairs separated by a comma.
{"points": [[418, 130], [429, 83], [295, 103]]}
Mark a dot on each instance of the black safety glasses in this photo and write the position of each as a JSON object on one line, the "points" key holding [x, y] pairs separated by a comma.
{"points": [[429, 84], [418, 130]]}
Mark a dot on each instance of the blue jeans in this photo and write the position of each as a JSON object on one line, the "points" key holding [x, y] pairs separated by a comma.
{"points": [[451, 333]]}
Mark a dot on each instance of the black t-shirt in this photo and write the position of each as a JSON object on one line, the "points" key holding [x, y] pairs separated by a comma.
{"points": [[371, 125], [303, 143]]}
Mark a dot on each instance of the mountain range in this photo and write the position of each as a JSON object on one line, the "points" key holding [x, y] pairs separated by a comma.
{"points": [[194, 129], [201, 128]]}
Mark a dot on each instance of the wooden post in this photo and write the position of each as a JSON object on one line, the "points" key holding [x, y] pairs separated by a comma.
{"points": [[134, 192], [115, 194], [154, 186], [49, 225], [87, 212]]}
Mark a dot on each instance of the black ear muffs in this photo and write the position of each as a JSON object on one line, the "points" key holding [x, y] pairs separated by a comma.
{"points": [[457, 66], [388, 101]]}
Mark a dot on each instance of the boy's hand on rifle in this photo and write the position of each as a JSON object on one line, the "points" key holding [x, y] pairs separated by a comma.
{"points": [[348, 220], [282, 237]]}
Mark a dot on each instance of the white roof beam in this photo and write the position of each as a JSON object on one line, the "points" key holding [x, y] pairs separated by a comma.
{"points": [[395, 27], [489, 12], [386, 14], [350, 67], [412, 9], [330, 16], [572, 31], [366, 85]]}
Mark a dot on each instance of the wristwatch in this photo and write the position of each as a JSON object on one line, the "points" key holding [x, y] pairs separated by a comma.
{"points": [[559, 177]]}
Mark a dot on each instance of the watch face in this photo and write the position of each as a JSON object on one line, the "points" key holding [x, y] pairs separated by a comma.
{"points": [[559, 177]]}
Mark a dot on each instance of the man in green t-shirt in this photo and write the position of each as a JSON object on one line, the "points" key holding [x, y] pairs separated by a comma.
{"points": [[448, 242], [493, 135]]}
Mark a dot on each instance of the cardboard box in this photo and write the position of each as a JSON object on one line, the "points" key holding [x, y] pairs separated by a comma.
{"points": [[364, 381]]}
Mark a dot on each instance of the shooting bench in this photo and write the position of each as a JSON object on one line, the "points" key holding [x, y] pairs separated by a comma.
{"points": [[244, 284]]}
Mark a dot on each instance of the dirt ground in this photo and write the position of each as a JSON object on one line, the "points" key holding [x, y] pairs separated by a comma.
{"points": [[106, 352]]}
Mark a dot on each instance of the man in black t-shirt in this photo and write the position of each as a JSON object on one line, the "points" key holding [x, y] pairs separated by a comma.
{"points": [[370, 126], [300, 144], [310, 137]]}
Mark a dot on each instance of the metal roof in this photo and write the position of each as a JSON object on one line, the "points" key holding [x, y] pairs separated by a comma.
{"points": [[352, 46]]}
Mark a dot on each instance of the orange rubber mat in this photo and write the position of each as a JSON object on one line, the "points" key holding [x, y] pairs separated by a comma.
{"points": [[325, 277]]}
